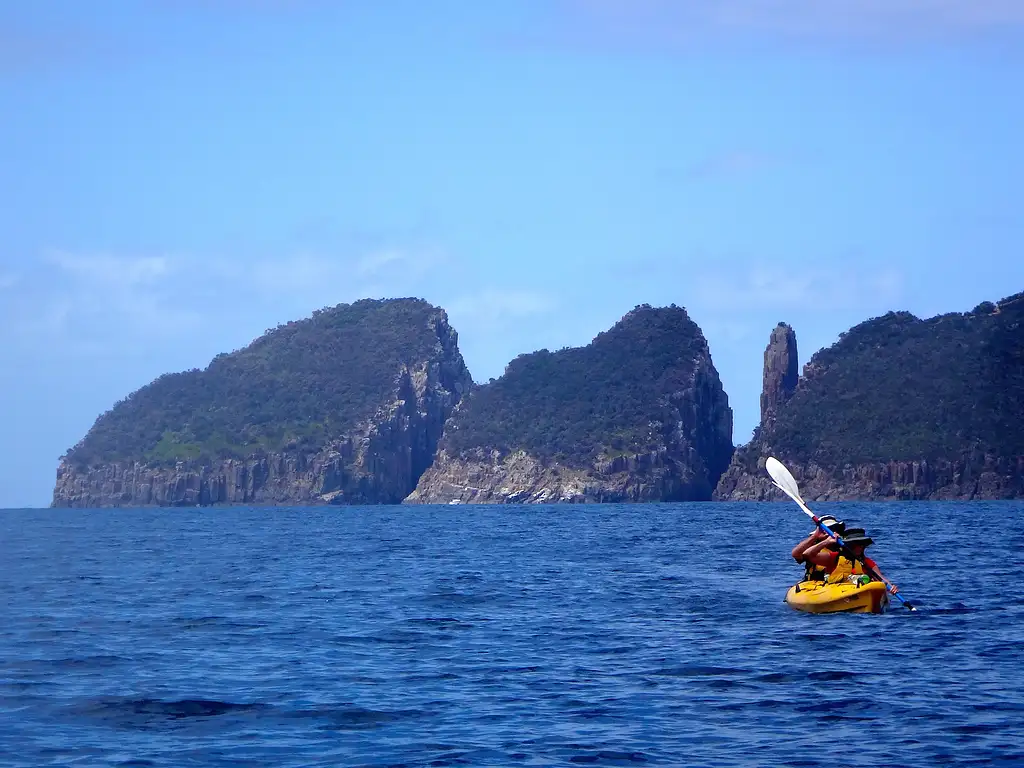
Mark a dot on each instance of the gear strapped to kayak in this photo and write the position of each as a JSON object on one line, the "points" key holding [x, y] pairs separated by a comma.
{"points": [[838, 576]]}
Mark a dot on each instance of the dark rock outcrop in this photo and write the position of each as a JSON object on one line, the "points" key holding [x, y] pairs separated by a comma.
{"points": [[781, 372], [638, 415], [375, 459], [780, 377], [899, 408]]}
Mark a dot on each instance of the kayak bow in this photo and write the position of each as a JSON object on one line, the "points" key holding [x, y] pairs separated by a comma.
{"points": [[843, 597]]}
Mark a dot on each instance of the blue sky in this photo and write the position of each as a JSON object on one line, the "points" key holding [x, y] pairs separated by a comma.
{"points": [[180, 175]]}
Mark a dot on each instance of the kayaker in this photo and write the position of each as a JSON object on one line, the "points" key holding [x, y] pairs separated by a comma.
{"points": [[850, 561], [813, 571]]}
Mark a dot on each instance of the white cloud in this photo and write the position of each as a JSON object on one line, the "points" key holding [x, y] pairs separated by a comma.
{"points": [[311, 280], [498, 305], [84, 300], [378, 261], [399, 262], [107, 270], [768, 287], [302, 273], [87, 301]]}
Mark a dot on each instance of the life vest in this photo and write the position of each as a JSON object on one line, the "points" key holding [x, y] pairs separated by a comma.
{"points": [[814, 572], [845, 567]]}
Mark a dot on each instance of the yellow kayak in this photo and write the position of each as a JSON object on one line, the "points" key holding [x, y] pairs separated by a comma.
{"points": [[819, 597]]}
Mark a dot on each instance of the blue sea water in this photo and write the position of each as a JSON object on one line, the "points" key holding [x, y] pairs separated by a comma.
{"points": [[443, 636]]}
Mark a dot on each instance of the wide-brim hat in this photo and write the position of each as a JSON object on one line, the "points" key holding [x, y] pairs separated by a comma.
{"points": [[860, 538]]}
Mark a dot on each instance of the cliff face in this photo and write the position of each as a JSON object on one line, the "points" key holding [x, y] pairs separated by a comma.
{"points": [[977, 475], [899, 408], [639, 415], [376, 460]]}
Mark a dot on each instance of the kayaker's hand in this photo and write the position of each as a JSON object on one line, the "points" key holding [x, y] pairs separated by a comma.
{"points": [[893, 588]]}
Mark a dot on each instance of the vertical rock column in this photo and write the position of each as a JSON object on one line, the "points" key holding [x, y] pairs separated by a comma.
{"points": [[780, 372], [745, 478]]}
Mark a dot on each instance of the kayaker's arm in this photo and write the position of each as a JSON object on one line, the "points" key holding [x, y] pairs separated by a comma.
{"points": [[815, 555], [800, 549]]}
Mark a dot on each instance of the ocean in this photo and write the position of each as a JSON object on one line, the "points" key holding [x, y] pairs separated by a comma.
{"points": [[603, 635]]}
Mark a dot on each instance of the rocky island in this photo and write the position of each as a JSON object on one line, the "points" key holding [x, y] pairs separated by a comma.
{"points": [[372, 403], [897, 408], [639, 414], [344, 407]]}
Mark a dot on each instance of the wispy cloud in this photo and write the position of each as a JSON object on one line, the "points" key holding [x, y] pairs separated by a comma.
{"points": [[414, 263], [379, 261], [78, 298], [96, 293], [105, 269], [696, 22], [68, 302], [84, 305], [493, 306], [762, 287], [303, 273], [310, 280]]}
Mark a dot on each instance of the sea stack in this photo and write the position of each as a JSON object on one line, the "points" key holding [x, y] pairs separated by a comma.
{"points": [[781, 372]]}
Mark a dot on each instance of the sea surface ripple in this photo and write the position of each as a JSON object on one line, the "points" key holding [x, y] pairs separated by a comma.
{"points": [[448, 636]]}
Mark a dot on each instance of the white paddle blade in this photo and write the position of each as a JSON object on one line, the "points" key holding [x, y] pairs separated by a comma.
{"points": [[782, 477], [785, 482]]}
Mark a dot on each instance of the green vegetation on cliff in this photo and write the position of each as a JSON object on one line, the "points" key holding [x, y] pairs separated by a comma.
{"points": [[614, 396], [304, 382], [900, 388]]}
